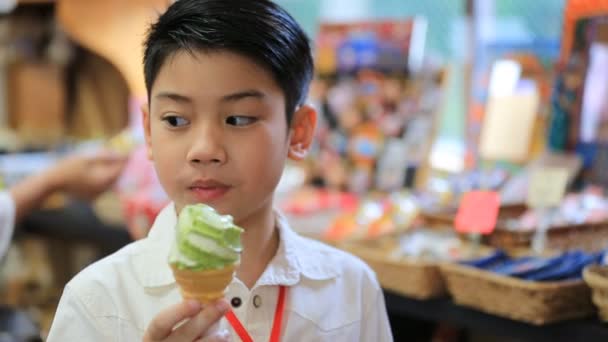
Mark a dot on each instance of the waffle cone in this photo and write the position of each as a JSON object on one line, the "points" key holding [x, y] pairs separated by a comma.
{"points": [[205, 286]]}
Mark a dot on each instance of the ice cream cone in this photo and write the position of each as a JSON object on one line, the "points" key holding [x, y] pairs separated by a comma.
{"points": [[205, 286]]}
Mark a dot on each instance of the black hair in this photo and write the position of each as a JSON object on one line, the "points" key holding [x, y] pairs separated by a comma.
{"points": [[257, 29]]}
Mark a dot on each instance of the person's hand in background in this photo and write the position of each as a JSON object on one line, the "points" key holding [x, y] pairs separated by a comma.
{"points": [[81, 175], [87, 176]]}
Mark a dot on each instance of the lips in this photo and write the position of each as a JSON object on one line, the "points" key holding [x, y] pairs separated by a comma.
{"points": [[208, 190]]}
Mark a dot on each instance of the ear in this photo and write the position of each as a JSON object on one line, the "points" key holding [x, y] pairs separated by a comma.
{"points": [[145, 110], [303, 126]]}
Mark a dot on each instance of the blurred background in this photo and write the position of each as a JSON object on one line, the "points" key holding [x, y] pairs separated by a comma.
{"points": [[430, 111]]}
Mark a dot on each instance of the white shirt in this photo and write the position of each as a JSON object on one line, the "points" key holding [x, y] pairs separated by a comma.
{"points": [[7, 221], [332, 295]]}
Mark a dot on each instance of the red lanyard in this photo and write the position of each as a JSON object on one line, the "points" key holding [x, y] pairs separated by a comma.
{"points": [[276, 325]]}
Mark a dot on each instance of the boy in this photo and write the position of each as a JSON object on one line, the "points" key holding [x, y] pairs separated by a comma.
{"points": [[226, 83]]}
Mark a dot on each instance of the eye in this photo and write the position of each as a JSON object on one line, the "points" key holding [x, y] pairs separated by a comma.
{"points": [[237, 120], [175, 121]]}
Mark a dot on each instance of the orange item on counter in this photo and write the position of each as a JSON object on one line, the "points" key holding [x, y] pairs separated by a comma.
{"points": [[342, 228]]}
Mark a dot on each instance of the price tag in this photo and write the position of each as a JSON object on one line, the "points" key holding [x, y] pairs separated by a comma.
{"points": [[478, 212], [547, 187]]}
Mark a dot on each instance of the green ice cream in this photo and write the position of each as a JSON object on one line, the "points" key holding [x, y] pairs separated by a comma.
{"points": [[205, 239]]}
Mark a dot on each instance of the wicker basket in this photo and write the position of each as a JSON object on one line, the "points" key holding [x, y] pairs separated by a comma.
{"points": [[589, 237], [532, 302], [596, 277], [412, 278]]}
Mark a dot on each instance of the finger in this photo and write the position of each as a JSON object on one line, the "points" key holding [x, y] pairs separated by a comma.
{"points": [[110, 172], [221, 336], [101, 178], [114, 170], [109, 156], [162, 325], [201, 324]]}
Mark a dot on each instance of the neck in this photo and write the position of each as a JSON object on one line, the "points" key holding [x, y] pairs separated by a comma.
{"points": [[260, 243]]}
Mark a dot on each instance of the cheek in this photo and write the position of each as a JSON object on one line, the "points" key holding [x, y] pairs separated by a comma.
{"points": [[262, 162], [165, 157], [165, 144], [165, 170]]}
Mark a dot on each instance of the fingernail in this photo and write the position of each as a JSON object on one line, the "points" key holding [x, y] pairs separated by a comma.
{"points": [[224, 335], [194, 304], [222, 306]]}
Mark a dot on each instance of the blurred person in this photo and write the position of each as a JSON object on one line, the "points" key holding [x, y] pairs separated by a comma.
{"points": [[83, 175]]}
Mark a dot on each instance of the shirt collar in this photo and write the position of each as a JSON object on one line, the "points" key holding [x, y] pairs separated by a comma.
{"points": [[295, 257]]}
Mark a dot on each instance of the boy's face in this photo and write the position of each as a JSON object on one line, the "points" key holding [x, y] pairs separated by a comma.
{"points": [[216, 130]]}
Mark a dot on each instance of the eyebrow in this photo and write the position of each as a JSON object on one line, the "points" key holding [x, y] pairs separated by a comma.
{"points": [[243, 95], [240, 95], [173, 96]]}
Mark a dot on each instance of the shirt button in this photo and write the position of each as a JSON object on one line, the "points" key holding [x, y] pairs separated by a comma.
{"points": [[236, 302], [257, 301]]}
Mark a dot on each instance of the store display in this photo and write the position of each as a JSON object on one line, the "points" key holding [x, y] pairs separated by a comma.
{"points": [[440, 246], [579, 222], [575, 209], [368, 101], [416, 278], [374, 217], [382, 45], [408, 263]]}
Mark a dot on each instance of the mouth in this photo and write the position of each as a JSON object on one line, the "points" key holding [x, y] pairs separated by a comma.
{"points": [[208, 190]]}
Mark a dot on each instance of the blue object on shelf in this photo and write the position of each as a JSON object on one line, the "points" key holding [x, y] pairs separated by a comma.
{"points": [[569, 267], [566, 266], [487, 261], [524, 266]]}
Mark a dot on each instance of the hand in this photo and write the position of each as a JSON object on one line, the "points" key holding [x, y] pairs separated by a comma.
{"points": [[197, 323], [87, 176]]}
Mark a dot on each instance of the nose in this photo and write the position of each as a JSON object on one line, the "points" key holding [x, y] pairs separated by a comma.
{"points": [[207, 147]]}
